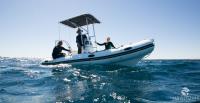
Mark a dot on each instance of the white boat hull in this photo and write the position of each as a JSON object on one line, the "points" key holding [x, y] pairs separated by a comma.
{"points": [[127, 55]]}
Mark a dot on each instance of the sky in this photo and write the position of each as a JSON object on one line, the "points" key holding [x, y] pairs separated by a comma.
{"points": [[29, 28]]}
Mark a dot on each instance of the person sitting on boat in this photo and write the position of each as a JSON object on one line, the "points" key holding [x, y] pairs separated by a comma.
{"points": [[80, 40], [57, 51], [108, 44]]}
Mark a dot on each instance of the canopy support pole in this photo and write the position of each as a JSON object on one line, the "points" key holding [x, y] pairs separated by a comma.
{"points": [[87, 27], [94, 36]]}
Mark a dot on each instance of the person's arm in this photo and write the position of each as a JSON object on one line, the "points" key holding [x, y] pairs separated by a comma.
{"points": [[112, 45], [100, 43], [65, 49]]}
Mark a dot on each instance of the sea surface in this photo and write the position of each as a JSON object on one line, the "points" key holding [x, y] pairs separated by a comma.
{"points": [[24, 80]]}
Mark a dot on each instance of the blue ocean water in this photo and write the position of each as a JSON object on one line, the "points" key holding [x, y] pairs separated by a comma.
{"points": [[24, 80]]}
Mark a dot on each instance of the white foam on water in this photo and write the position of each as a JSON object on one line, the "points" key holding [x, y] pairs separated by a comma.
{"points": [[67, 80]]}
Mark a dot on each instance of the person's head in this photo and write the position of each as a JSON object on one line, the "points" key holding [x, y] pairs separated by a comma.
{"points": [[108, 39], [60, 43], [79, 31]]}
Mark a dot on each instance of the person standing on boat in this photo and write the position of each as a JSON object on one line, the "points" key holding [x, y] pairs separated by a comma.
{"points": [[108, 44], [57, 51], [80, 40]]}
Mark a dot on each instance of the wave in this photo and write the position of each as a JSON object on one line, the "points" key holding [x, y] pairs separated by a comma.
{"points": [[150, 81]]}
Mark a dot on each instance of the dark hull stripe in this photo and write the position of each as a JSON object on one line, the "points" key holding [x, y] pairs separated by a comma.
{"points": [[102, 57]]}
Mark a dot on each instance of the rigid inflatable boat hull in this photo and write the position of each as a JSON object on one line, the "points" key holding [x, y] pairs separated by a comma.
{"points": [[127, 55]]}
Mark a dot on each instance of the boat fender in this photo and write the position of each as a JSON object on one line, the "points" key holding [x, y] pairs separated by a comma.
{"points": [[128, 48], [91, 55]]}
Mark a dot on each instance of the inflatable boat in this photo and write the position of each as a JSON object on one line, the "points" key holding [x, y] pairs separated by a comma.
{"points": [[125, 55]]}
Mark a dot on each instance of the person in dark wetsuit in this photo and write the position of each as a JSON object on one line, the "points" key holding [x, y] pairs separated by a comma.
{"points": [[108, 44], [57, 51], [80, 40]]}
